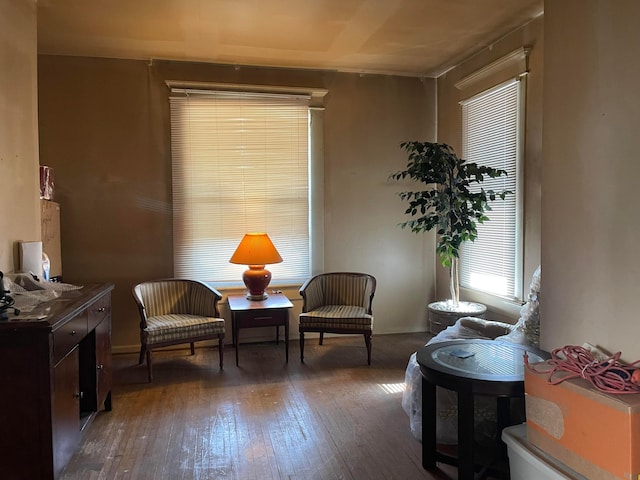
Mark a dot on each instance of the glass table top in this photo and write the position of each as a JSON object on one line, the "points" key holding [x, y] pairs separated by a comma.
{"points": [[490, 360]]}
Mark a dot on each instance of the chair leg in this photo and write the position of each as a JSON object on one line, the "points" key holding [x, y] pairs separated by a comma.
{"points": [[367, 341], [193, 348], [321, 337], [221, 349], [143, 351], [301, 347], [149, 366]]}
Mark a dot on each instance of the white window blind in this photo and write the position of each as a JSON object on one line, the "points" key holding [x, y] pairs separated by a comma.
{"points": [[240, 163], [491, 125]]}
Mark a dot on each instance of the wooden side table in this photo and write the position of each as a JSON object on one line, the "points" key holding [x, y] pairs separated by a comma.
{"points": [[272, 312], [471, 367]]}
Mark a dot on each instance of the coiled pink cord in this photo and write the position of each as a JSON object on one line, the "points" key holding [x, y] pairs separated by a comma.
{"points": [[608, 376]]}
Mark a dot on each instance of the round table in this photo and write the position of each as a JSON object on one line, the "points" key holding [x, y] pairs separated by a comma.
{"points": [[470, 367]]}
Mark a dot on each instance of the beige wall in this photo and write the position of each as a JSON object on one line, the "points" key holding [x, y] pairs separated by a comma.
{"points": [[19, 191], [449, 131], [590, 227], [104, 127]]}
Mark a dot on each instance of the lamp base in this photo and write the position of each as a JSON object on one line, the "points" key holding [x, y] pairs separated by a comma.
{"points": [[256, 279], [257, 298]]}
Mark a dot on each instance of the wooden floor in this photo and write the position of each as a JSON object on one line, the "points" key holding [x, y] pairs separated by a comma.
{"points": [[332, 417]]}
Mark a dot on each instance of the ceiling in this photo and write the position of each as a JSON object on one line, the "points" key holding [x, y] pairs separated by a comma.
{"points": [[402, 37]]}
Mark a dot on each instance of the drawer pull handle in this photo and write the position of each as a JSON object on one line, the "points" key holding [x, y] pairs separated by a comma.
{"points": [[99, 366], [101, 310], [73, 332], [78, 395]]}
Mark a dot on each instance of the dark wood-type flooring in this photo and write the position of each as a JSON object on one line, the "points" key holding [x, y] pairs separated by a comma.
{"points": [[332, 417]]}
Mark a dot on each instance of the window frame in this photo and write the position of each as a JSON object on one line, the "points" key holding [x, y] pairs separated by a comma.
{"points": [[315, 165]]}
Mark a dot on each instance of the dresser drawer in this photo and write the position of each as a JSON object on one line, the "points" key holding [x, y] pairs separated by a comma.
{"points": [[98, 311], [68, 336]]}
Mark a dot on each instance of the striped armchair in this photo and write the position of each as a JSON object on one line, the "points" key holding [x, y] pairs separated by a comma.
{"points": [[338, 302], [175, 311]]}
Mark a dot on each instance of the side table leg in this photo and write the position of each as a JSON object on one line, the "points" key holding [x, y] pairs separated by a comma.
{"points": [[503, 420], [428, 425], [235, 336], [233, 329], [465, 435], [286, 336]]}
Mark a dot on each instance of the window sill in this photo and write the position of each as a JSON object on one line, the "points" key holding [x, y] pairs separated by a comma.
{"points": [[504, 309]]}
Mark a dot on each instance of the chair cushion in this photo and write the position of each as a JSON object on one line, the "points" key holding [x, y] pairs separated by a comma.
{"points": [[175, 327], [338, 317]]}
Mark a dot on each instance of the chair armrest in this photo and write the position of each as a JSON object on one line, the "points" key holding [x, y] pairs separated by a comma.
{"points": [[312, 294], [137, 296]]}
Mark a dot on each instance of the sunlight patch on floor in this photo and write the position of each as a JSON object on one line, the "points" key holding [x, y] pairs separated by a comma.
{"points": [[392, 387]]}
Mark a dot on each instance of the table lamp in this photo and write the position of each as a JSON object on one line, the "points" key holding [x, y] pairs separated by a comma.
{"points": [[256, 250]]}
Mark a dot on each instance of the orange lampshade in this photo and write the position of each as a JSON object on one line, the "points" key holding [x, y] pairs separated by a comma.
{"points": [[256, 250]]}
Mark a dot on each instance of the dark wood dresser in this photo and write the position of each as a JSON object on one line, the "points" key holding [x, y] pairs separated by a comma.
{"points": [[55, 375]]}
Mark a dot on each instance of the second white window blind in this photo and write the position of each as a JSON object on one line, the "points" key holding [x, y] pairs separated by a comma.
{"points": [[491, 136]]}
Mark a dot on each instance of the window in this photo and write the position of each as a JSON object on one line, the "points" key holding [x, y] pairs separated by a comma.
{"points": [[491, 135], [240, 163]]}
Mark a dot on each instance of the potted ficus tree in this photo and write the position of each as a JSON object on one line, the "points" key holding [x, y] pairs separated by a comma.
{"points": [[451, 201]]}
